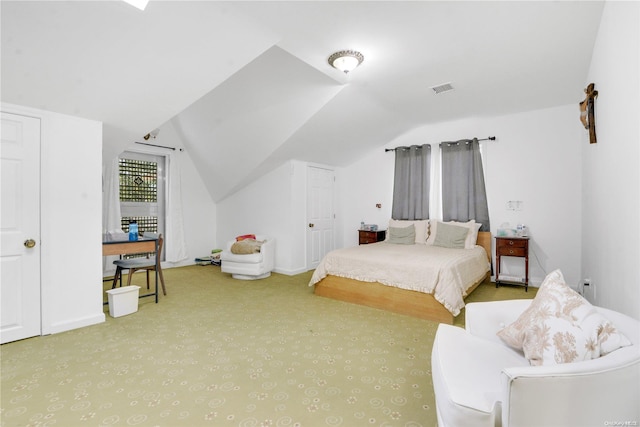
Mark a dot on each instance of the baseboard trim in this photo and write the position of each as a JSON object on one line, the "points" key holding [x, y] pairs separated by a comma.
{"points": [[75, 324], [290, 272]]}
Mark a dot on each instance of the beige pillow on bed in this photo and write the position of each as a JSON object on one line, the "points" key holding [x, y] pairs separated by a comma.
{"points": [[451, 236], [472, 236], [402, 236], [421, 227]]}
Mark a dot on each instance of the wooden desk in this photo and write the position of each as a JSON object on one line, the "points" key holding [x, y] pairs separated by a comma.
{"points": [[111, 246]]}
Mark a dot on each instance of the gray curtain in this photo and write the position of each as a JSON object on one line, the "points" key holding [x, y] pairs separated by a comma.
{"points": [[411, 182], [464, 196]]}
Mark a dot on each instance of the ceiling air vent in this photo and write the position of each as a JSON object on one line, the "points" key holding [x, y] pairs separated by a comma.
{"points": [[445, 87]]}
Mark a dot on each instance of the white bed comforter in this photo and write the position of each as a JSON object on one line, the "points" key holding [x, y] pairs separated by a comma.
{"points": [[445, 273]]}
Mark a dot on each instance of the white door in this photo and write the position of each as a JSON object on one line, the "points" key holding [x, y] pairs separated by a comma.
{"points": [[320, 217], [20, 228]]}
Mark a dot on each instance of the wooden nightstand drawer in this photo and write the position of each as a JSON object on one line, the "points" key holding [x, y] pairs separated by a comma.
{"points": [[512, 251], [365, 237], [368, 238], [511, 243]]}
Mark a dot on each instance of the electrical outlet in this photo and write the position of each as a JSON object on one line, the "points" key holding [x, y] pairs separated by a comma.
{"points": [[589, 287]]}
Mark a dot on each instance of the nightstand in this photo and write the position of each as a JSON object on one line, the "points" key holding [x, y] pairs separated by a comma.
{"points": [[365, 236], [515, 247]]}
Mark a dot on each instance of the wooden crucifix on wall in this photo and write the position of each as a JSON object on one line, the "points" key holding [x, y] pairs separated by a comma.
{"points": [[587, 112]]}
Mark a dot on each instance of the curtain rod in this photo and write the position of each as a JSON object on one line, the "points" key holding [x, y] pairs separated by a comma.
{"points": [[159, 146], [489, 138], [394, 149], [450, 143]]}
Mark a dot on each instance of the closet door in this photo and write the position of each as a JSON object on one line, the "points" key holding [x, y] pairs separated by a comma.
{"points": [[20, 228], [320, 216]]}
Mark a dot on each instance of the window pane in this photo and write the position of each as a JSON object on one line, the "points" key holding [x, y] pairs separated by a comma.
{"points": [[142, 179], [145, 223], [138, 181]]}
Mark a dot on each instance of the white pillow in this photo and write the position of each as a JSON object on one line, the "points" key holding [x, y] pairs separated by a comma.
{"points": [[472, 236], [420, 225], [560, 326]]}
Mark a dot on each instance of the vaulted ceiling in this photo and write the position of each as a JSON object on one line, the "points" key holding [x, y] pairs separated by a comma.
{"points": [[247, 85]]}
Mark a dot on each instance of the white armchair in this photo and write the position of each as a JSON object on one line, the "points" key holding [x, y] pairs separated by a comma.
{"points": [[249, 266], [480, 381]]}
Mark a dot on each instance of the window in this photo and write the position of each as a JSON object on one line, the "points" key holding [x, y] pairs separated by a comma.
{"points": [[458, 192], [142, 191], [464, 196], [411, 182]]}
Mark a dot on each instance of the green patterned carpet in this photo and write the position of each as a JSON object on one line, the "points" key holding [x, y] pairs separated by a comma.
{"points": [[221, 352]]}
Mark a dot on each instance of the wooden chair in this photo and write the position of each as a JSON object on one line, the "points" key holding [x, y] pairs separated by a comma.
{"points": [[147, 263]]}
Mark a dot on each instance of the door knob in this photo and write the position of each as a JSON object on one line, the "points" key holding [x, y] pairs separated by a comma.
{"points": [[311, 225], [29, 243]]}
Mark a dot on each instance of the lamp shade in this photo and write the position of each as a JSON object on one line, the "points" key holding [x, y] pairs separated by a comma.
{"points": [[346, 60]]}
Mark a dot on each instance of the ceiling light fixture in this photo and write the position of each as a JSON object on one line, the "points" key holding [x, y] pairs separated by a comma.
{"points": [[346, 60], [140, 4]]}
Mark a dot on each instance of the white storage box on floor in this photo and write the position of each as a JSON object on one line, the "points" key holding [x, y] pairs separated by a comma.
{"points": [[123, 301]]}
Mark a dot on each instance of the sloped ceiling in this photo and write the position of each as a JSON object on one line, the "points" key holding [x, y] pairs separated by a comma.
{"points": [[247, 85], [239, 124]]}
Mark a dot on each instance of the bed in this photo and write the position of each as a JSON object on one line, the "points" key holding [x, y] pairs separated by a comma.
{"points": [[422, 280]]}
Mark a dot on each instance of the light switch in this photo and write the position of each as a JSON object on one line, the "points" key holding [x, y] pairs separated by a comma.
{"points": [[514, 205]]}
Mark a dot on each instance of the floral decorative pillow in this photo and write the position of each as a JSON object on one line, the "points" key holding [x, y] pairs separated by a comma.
{"points": [[560, 326]]}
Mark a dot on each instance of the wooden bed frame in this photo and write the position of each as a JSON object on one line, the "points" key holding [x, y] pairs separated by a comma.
{"points": [[403, 301]]}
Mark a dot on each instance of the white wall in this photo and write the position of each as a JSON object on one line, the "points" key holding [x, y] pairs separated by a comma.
{"points": [[535, 159], [298, 220], [71, 229], [198, 209], [361, 186], [610, 172], [275, 205], [199, 213]]}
